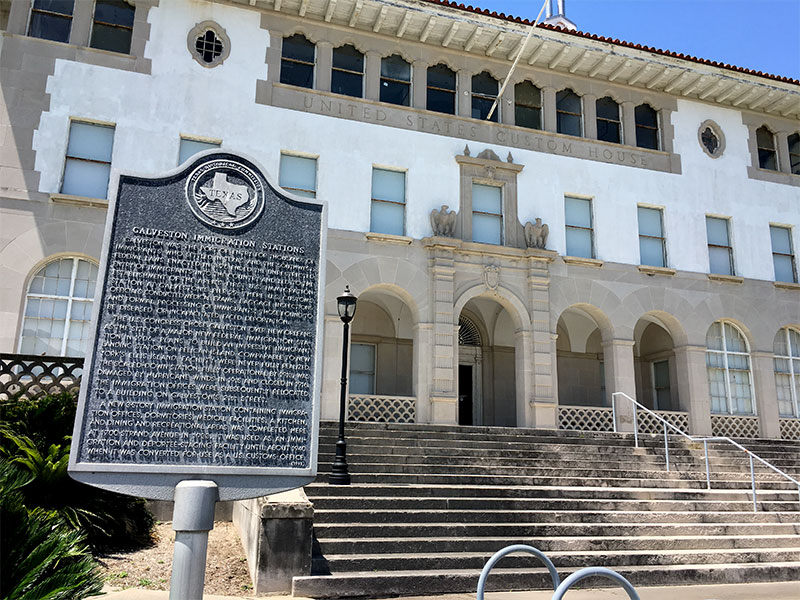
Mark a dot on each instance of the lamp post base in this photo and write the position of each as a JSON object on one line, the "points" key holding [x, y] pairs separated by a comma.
{"points": [[339, 474]]}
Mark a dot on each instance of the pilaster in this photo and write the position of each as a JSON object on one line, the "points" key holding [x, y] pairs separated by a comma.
{"points": [[549, 108], [506, 106], [422, 377], [464, 93], [81, 23], [629, 123], [323, 67], [693, 391], [766, 394], [784, 164], [544, 403], [444, 403], [590, 116], [372, 76], [620, 377], [419, 84], [18, 17]]}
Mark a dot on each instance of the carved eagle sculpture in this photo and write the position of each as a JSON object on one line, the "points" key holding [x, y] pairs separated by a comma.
{"points": [[536, 234], [443, 222]]}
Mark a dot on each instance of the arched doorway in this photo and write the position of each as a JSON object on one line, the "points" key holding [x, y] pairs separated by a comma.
{"points": [[654, 362], [580, 362]]}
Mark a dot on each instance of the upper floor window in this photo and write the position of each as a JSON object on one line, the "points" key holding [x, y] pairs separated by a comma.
{"points": [[388, 202], [297, 61], [347, 74], [646, 119], [787, 371], [51, 19], [190, 146], [487, 214], [88, 163], [765, 141], [298, 174], [568, 113], [720, 251], [441, 89], [58, 308], [395, 80], [651, 237], [782, 254], [794, 153], [580, 232], [728, 365], [112, 28], [484, 93], [527, 105], [609, 126]]}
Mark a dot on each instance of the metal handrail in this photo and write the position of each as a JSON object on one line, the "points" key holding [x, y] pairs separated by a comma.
{"points": [[705, 441]]}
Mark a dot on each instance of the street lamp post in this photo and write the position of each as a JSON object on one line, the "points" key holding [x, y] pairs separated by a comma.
{"points": [[346, 304]]}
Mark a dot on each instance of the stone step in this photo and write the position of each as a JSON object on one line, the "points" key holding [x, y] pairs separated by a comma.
{"points": [[503, 515], [466, 529], [390, 545], [595, 558], [449, 581]]}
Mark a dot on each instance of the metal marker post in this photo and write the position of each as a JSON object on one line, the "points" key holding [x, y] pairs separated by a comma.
{"points": [[192, 519]]}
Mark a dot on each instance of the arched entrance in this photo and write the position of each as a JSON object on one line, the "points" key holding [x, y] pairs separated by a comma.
{"points": [[655, 365], [580, 361]]}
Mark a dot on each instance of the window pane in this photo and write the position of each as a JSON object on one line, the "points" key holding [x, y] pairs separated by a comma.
{"points": [[189, 148], [50, 27], [734, 340], [767, 159], [388, 185], [93, 142], [784, 269], [569, 124], [651, 251], [719, 261], [115, 12], [88, 179], [348, 58], [362, 358], [483, 83], [299, 74], [387, 217], [345, 83], [579, 242], [717, 230], [441, 76], [395, 67], [481, 108], [298, 172], [794, 338], [487, 198], [525, 116], [764, 138], [646, 115], [487, 229], [783, 386], [578, 212], [441, 101], [568, 101], [794, 153], [714, 337], [781, 241], [608, 109], [649, 221], [362, 383], [298, 47], [608, 131], [113, 39], [64, 7], [647, 138], [394, 92]]}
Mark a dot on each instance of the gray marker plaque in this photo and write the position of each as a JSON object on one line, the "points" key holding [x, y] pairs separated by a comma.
{"points": [[206, 358]]}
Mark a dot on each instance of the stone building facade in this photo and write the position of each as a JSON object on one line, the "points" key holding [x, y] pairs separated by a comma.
{"points": [[670, 187]]}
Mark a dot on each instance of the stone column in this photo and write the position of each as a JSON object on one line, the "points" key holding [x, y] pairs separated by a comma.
{"points": [[524, 378], [784, 163], [324, 66], [18, 17], [464, 93], [590, 116], [372, 76], [81, 23], [629, 123], [331, 368], [444, 363], [618, 361], [419, 84], [544, 404], [766, 394], [549, 108], [422, 377], [693, 392], [506, 106]]}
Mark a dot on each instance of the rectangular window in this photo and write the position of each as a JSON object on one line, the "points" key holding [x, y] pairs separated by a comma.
{"points": [[88, 163], [651, 238], [298, 174], [782, 254], [51, 20], [580, 235], [112, 28], [487, 214], [388, 202], [362, 369], [720, 251], [347, 71], [189, 147]]}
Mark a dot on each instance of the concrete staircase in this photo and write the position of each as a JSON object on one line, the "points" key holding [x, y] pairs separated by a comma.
{"points": [[430, 504]]}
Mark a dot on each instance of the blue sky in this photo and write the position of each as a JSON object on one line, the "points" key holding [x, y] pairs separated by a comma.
{"points": [[757, 34]]}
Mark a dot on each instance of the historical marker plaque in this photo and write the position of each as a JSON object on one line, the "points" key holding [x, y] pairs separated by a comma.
{"points": [[206, 357]]}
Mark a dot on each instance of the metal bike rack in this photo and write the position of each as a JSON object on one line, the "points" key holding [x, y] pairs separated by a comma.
{"points": [[595, 572], [516, 548]]}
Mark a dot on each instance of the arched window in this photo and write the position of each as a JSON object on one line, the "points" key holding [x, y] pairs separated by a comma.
{"points": [[646, 119], [442, 89], [347, 73], [568, 113], [729, 375], [609, 126], [395, 80], [767, 157], [58, 308], [787, 371], [527, 105], [484, 93], [112, 27], [794, 153], [297, 61]]}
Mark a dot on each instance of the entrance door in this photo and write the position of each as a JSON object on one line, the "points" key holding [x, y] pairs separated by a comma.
{"points": [[663, 401], [465, 394]]}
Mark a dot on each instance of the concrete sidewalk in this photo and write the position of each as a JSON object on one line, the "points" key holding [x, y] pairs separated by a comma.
{"points": [[741, 591]]}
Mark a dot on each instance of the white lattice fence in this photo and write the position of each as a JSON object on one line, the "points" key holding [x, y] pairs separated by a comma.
{"points": [[382, 409], [734, 426], [585, 418], [790, 429], [649, 424]]}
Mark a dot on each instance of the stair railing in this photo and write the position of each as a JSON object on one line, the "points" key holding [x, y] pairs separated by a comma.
{"points": [[667, 425]]}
